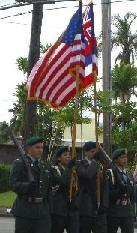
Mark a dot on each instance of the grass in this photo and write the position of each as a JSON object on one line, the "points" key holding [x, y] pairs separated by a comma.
{"points": [[6, 199]]}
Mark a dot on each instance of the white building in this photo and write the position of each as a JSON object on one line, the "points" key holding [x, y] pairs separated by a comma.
{"points": [[84, 133]]}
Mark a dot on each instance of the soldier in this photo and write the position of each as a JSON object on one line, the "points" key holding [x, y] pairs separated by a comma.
{"points": [[94, 192], [120, 212], [65, 212], [31, 207]]}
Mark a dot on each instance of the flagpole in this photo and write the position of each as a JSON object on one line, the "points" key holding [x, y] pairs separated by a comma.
{"points": [[96, 113], [97, 143], [73, 172], [76, 105], [74, 177], [75, 115], [95, 109]]}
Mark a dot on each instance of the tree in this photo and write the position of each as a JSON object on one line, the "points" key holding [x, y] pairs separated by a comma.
{"points": [[30, 122], [30, 119], [124, 82], [124, 37], [47, 118], [51, 123], [22, 62], [124, 110], [4, 132], [17, 121], [125, 137]]}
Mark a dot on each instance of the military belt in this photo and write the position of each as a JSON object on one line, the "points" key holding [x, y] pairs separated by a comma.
{"points": [[36, 200]]}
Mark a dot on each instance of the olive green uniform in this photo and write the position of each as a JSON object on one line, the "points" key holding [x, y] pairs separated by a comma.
{"points": [[92, 218], [65, 214], [120, 212], [32, 205]]}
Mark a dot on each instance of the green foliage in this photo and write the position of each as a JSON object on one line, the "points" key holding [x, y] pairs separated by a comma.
{"points": [[125, 138], [131, 166], [51, 123], [22, 64], [4, 177], [124, 111], [124, 37], [83, 102], [124, 81], [43, 48], [4, 133], [103, 101], [124, 84], [17, 121]]}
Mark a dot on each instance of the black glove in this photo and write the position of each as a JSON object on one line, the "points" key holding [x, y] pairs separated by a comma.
{"points": [[72, 163], [32, 187], [101, 210], [123, 189], [100, 155]]}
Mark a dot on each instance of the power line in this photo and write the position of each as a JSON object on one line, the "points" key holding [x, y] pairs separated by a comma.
{"points": [[28, 12], [13, 22], [9, 16], [63, 7], [5, 7], [8, 6]]}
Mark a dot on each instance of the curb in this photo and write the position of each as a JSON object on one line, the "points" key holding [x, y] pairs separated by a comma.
{"points": [[4, 212], [6, 215]]}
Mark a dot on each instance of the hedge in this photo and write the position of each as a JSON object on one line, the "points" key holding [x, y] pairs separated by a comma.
{"points": [[4, 177]]}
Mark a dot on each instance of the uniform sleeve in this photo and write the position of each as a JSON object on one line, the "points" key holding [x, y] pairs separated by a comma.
{"points": [[117, 188], [87, 172], [114, 190], [16, 182], [58, 177]]}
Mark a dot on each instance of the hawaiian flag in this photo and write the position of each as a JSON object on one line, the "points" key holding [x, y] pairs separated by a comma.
{"points": [[53, 78]]}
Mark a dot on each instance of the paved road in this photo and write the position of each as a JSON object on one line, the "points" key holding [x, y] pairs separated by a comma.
{"points": [[7, 225]]}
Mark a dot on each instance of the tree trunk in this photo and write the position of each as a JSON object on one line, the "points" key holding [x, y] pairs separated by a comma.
{"points": [[34, 53]]}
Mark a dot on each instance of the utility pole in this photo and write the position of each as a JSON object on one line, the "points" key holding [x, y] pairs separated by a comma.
{"points": [[30, 118], [30, 124], [107, 80]]}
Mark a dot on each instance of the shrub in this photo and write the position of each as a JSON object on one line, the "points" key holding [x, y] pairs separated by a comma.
{"points": [[4, 177]]}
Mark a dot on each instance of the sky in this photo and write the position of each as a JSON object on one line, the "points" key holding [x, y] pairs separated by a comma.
{"points": [[15, 39]]}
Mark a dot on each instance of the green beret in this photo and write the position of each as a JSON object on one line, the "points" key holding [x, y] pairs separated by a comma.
{"points": [[117, 153], [34, 140], [89, 145], [61, 150]]}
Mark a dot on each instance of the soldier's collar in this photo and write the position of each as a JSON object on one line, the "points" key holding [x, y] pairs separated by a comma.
{"points": [[64, 168], [121, 170], [88, 160], [32, 159]]}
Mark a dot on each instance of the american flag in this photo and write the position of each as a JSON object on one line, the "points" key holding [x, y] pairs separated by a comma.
{"points": [[53, 78]]}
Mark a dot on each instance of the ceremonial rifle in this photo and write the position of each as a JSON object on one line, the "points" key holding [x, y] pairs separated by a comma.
{"points": [[23, 156]]}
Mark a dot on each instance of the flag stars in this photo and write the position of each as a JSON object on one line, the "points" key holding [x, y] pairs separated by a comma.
{"points": [[73, 28], [77, 46]]}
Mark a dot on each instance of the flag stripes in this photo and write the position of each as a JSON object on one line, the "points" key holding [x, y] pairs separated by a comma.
{"points": [[53, 78]]}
